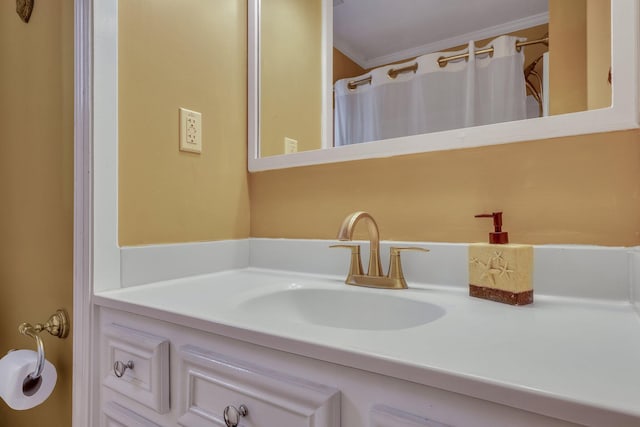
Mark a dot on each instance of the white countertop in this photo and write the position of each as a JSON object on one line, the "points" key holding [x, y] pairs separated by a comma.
{"points": [[577, 360]]}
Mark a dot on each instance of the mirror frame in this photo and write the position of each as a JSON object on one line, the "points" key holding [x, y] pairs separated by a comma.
{"points": [[253, 82], [623, 113]]}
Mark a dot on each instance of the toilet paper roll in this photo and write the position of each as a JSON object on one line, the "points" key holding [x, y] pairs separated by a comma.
{"points": [[15, 367]]}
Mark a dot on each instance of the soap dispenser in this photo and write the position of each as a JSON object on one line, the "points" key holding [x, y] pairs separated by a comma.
{"points": [[501, 271]]}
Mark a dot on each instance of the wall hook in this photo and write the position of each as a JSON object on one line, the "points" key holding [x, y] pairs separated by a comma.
{"points": [[24, 9]]}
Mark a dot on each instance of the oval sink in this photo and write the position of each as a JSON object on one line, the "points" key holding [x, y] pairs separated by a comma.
{"points": [[343, 308]]}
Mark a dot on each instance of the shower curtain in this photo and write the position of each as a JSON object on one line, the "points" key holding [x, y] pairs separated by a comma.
{"points": [[473, 92]]}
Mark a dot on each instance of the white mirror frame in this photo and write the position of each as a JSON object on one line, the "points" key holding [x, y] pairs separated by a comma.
{"points": [[623, 113], [253, 87]]}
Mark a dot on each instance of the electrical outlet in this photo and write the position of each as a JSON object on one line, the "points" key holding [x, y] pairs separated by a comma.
{"points": [[290, 145], [190, 131]]}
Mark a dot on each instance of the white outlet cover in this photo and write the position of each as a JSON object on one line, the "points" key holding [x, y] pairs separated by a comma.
{"points": [[290, 145], [190, 131]]}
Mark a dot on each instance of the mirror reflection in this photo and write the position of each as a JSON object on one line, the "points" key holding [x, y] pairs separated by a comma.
{"points": [[415, 67]]}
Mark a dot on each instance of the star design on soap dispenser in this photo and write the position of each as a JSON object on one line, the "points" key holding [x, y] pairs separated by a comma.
{"points": [[496, 265]]}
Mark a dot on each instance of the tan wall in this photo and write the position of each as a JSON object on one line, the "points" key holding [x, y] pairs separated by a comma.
{"points": [[188, 54], [582, 189], [291, 74], [567, 56], [36, 190], [344, 67], [598, 53]]}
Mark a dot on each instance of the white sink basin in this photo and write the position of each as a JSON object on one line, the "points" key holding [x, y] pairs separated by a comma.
{"points": [[347, 309]]}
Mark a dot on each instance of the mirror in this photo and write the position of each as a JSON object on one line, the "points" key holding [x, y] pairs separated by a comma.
{"points": [[577, 94]]}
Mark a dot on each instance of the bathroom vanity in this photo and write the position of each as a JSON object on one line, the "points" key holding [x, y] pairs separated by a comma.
{"points": [[266, 331], [299, 348]]}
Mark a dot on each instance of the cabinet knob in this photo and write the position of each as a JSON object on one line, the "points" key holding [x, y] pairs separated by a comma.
{"points": [[232, 415], [119, 368]]}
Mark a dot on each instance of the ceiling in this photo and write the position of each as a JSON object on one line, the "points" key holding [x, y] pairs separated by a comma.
{"points": [[377, 32]]}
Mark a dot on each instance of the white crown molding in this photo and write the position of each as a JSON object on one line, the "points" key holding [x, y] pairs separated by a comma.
{"points": [[349, 52]]}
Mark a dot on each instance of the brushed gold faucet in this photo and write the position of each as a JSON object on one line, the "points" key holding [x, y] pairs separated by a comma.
{"points": [[346, 233], [374, 277]]}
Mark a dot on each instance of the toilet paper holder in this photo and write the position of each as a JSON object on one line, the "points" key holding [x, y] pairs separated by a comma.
{"points": [[58, 325]]}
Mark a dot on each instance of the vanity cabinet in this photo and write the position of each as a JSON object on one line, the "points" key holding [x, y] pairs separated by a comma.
{"points": [[206, 373], [137, 365], [114, 415], [259, 396]]}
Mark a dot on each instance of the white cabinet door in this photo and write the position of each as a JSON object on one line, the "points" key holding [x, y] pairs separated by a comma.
{"points": [[386, 416], [147, 379], [210, 382], [114, 415]]}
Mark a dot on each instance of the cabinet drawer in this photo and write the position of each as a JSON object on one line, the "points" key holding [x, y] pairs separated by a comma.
{"points": [[209, 382], [115, 415], [147, 381], [386, 416]]}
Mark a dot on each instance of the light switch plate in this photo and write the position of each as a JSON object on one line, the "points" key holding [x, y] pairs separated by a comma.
{"points": [[190, 131]]}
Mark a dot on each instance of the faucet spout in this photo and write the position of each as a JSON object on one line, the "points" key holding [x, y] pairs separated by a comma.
{"points": [[346, 233]]}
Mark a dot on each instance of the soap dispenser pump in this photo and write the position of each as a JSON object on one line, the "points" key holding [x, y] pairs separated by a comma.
{"points": [[500, 271], [498, 236]]}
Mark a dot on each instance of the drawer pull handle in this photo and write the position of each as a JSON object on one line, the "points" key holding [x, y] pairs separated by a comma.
{"points": [[232, 415], [119, 368]]}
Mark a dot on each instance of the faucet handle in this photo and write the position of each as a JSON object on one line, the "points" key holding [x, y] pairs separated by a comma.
{"points": [[395, 266], [355, 268], [395, 251]]}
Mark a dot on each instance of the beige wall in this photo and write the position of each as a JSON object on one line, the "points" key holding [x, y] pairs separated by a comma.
{"points": [[567, 56], [583, 189], [36, 190], [344, 67], [598, 53], [579, 55], [291, 74], [188, 54], [570, 190], [580, 189]]}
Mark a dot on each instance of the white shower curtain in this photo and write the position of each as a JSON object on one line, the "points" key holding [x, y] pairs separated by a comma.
{"points": [[479, 91]]}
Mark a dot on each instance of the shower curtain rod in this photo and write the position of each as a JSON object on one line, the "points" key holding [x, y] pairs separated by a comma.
{"points": [[443, 61]]}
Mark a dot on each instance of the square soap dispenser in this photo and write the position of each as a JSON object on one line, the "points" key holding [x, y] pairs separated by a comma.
{"points": [[501, 271]]}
